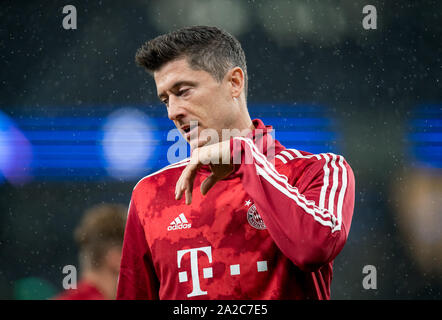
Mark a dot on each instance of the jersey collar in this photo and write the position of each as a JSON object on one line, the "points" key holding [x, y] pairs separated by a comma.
{"points": [[261, 135]]}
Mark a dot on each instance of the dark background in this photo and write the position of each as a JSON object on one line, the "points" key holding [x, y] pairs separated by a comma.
{"points": [[371, 81]]}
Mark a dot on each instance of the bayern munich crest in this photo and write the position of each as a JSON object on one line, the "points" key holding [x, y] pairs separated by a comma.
{"points": [[255, 219]]}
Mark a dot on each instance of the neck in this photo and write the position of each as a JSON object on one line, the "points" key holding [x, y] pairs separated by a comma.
{"points": [[246, 125], [244, 122], [104, 280]]}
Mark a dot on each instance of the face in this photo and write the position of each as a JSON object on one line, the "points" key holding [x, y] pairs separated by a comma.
{"points": [[194, 95]]}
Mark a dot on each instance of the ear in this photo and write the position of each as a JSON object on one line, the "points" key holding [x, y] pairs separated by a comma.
{"points": [[236, 80]]}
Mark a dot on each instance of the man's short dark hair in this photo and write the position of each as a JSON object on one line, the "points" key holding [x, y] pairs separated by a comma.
{"points": [[206, 48]]}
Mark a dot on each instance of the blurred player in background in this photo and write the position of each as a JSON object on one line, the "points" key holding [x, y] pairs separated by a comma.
{"points": [[99, 237], [274, 218]]}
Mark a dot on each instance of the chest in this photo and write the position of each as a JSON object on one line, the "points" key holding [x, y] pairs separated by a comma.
{"points": [[225, 215], [219, 231]]}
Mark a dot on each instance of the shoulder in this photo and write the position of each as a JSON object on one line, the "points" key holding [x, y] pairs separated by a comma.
{"points": [[302, 162], [291, 156], [164, 173], [287, 156], [84, 291]]}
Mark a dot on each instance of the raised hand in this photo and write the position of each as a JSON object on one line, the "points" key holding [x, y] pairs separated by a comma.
{"points": [[217, 156]]}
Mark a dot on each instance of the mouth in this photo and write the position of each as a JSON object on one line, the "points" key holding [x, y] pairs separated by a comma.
{"points": [[186, 128], [188, 132]]}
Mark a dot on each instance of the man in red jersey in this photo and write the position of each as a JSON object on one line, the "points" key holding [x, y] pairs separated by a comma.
{"points": [[99, 237], [266, 222]]}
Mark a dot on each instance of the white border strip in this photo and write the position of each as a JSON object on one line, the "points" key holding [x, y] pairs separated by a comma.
{"points": [[181, 163]]}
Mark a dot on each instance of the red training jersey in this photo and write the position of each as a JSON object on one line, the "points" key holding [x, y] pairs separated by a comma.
{"points": [[85, 291], [270, 230]]}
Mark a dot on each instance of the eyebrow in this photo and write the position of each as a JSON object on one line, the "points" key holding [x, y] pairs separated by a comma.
{"points": [[178, 84]]}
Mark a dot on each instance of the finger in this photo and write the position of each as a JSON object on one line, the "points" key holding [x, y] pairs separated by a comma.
{"points": [[185, 183], [188, 196], [208, 183], [178, 191], [179, 187], [188, 183]]}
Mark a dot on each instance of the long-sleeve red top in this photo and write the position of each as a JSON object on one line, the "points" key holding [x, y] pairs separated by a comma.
{"points": [[270, 230]]}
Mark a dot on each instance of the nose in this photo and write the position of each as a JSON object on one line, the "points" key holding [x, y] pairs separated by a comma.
{"points": [[175, 110]]}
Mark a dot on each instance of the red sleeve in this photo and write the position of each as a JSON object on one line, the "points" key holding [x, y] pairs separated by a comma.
{"points": [[308, 221], [137, 279]]}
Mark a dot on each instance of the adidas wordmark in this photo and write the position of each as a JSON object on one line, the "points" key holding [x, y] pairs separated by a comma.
{"points": [[180, 222]]}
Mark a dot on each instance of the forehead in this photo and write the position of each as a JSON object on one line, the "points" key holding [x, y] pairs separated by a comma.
{"points": [[177, 71]]}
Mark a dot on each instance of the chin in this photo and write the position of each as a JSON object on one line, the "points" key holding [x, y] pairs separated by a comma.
{"points": [[197, 144], [200, 142]]}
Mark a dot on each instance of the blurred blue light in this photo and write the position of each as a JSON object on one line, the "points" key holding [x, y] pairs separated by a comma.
{"points": [[427, 123], [424, 136], [15, 153], [63, 135], [73, 122], [128, 143], [304, 136]]}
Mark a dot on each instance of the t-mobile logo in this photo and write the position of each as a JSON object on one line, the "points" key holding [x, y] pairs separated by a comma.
{"points": [[207, 272], [235, 269]]}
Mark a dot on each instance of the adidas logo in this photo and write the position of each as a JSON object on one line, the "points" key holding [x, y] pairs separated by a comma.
{"points": [[180, 222]]}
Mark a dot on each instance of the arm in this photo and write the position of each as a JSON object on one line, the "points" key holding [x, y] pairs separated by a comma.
{"points": [[310, 222], [137, 279]]}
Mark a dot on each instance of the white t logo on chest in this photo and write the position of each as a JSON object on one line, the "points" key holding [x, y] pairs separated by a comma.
{"points": [[207, 272]]}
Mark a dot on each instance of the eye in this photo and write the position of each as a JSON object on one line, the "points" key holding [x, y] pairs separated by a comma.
{"points": [[165, 101], [183, 92]]}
